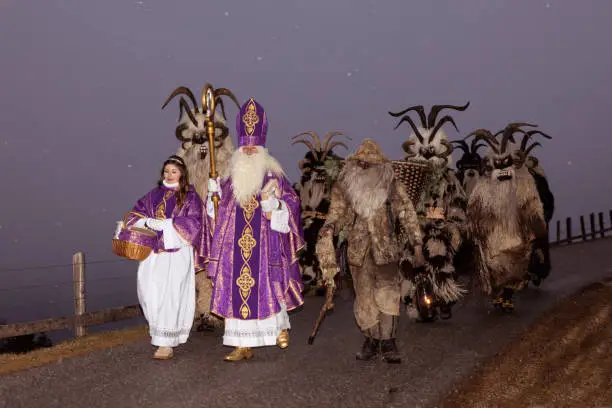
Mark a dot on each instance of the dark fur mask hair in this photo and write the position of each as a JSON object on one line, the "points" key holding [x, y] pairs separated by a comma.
{"points": [[183, 179], [502, 158], [471, 159]]}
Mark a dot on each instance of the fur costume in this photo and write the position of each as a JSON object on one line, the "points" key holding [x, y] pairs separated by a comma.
{"points": [[539, 266], [442, 237], [320, 169], [506, 217], [191, 132], [370, 203]]}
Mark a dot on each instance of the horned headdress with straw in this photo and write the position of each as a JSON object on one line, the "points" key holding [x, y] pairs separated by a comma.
{"points": [[428, 140], [318, 151]]}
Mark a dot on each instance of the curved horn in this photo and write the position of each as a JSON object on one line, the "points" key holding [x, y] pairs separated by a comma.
{"points": [[412, 125], [449, 148], [406, 146], [314, 136], [418, 108], [528, 136], [530, 148], [483, 134], [226, 92], [508, 134], [329, 136], [219, 102], [185, 91], [330, 147], [184, 107], [476, 146], [461, 144], [178, 132], [310, 146], [433, 113], [517, 128], [441, 123]]}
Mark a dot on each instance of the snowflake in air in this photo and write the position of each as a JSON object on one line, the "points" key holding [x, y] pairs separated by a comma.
{"points": [[226, 13]]}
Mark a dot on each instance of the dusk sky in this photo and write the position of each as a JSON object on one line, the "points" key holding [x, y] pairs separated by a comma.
{"points": [[83, 135]]}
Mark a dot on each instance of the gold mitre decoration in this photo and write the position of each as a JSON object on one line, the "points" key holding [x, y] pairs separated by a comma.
{"points": [[369, 152]]}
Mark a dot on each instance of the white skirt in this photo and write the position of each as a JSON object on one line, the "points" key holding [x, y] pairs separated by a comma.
{"points": [[166, 292], [256, 333]]}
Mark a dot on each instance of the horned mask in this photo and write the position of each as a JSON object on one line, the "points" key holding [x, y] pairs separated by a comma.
{"points": [[429, 141]]}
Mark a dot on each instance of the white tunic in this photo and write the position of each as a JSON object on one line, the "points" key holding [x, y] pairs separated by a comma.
{"points": [[166, 289]]}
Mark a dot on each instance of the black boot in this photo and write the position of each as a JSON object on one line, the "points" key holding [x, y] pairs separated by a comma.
{"points": [[368, 350], [389, 351], [446, 311]]}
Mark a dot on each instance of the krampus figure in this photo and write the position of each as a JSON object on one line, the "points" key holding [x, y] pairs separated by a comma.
{"points": [[533, 165], [441, 212], [539, 266], [506, 218], [371, 204], [320, 169], [191, 132]]}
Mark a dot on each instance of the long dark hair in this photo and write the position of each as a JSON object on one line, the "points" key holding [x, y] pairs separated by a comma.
{"points": [[183, 179]]}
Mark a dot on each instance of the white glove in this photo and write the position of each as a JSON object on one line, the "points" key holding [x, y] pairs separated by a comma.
{"points": [[213, 185], [210, 207], [270, 204], [155, 225]]}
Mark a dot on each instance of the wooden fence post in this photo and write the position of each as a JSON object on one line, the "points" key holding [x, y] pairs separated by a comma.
{"points": [[78, 272], [593, 229], [568, 229], [602, 230], [583, 228], [558, 232]]}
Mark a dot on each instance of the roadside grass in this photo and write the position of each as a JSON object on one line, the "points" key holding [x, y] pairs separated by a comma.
{"points": [[563, 359], [10, 362]]}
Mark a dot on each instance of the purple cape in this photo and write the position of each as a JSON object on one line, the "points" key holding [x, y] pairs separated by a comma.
{"points": [[255, 269], [189, 221]]}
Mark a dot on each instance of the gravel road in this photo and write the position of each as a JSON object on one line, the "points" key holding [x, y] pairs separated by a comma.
{"points": [[325, 374]]}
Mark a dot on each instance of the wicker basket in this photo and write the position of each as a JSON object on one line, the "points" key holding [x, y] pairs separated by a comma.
{"points": [[413, 175], [134, 243]]}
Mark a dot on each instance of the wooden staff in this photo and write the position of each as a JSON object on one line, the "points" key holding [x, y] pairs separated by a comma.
{"points": [[327, 308]]}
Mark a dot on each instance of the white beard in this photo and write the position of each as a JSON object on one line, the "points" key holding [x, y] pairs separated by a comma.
{"points": [[247, 173]]}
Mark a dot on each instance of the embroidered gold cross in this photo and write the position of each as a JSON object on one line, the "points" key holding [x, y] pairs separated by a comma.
{"points": [[250, 118]]}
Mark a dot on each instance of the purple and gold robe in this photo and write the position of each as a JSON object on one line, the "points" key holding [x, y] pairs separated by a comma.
{"points": [[189, 221], [254, 268]]}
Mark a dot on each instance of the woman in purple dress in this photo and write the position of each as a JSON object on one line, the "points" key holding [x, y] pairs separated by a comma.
{"points": [[166, 279]]}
